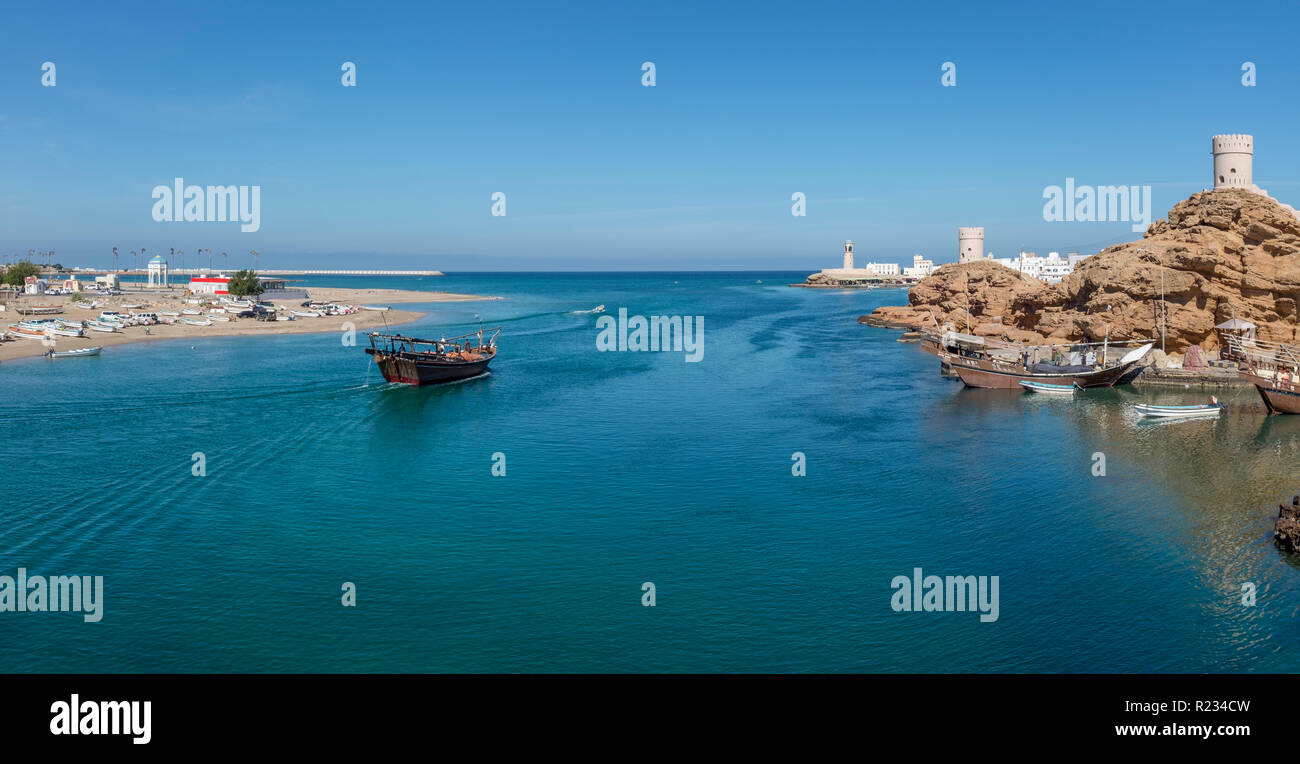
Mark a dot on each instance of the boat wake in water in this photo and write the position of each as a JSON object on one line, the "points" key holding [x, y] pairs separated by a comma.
{"points": [[597, 309]]}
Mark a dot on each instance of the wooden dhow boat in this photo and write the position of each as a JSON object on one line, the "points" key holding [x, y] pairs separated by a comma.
{"points": [[1273, 368], [1004, 368], [411, 361]]}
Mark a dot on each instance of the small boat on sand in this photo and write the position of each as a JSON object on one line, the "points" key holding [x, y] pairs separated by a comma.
{"points": [[26, 333], [191, 312], [1213, 408], [192, 322], [305, 313], [217, 317], [100, 326], [375, 307], [1043, 387]]}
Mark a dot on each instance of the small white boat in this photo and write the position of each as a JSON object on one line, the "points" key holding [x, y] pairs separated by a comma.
{"points": [[78, 353], [66, 332], [172, 313], [25, 333], [376, 307], [217, 317], [1042, 387], [192, 322], [100, 326], [191, 312], [241, 304], [1213, 408], [284, 318], [216, 310], [133, 307], [305, 313]]}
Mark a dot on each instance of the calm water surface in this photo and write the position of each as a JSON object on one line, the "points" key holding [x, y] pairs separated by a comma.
{"points": [[624, 468]]}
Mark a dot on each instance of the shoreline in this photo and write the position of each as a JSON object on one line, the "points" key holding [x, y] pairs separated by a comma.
{"points": [[15, 349]]}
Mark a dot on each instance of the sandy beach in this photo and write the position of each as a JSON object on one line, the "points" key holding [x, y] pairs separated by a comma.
{"points": [[363, 320]]}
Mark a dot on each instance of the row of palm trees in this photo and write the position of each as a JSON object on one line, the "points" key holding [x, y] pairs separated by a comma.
{"points": [[138, 261]]}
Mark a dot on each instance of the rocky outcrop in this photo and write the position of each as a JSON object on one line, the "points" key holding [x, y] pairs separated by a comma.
{"points": [[1286, 532], [1218, 254]]}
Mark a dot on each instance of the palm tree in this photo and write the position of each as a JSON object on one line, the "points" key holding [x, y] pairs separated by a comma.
{"points": [[114, 258], [133, 259], [225, 265], [256, 258]]}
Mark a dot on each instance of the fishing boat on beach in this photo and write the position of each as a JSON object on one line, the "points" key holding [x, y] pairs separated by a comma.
{"points": [[40, 310], [191, 312], [305, 313], [100, 326], [412, 361], [192, 322], [26, 332], [1213, 408]]}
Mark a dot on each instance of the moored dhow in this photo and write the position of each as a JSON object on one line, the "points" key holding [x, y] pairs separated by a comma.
{"points": [[1006, 368], [1274, 370], [411, 361]]}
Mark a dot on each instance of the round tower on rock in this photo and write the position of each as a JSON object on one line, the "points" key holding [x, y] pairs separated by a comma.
{"points": [[970, 244], [1232, 160], [848, 255]]}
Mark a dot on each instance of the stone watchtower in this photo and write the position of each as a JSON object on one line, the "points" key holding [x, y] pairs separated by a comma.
{"points": [[970, 244], [1232, 161], [848, 255]]}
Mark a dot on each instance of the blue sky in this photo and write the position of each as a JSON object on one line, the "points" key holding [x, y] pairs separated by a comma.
{"points": [[544, 102]]}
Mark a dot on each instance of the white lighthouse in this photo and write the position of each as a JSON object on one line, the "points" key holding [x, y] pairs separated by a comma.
{"points": [[1232, 161], [848, 255], [970, 244]]}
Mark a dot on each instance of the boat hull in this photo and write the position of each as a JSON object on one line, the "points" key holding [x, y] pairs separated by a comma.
{"points": [[1279, 396], [984, 373], [405, 369]]}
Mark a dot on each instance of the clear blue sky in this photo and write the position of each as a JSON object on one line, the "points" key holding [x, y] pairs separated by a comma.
{"points": [[544, 102]]}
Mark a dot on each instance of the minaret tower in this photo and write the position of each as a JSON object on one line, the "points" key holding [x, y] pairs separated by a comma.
{"points": [[1232, 161], [970, 244], [848, 255]]}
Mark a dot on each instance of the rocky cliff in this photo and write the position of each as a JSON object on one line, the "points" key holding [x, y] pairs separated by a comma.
{"points": [[1224, 253]]}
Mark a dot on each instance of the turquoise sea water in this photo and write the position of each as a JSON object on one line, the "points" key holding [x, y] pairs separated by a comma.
{"points": [[624, 468]]}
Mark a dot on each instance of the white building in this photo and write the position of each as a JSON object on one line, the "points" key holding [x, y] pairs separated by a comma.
{"points": [[920, 268], [209, 285]]}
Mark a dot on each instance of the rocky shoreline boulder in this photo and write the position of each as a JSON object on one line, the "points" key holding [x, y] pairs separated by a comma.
{"points": [[1221, 253]]}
